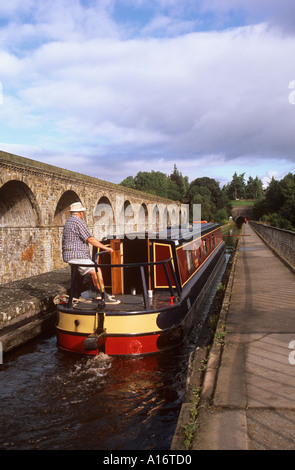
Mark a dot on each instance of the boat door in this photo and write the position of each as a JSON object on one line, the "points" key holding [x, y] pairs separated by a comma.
{"points": [[116, 273]]}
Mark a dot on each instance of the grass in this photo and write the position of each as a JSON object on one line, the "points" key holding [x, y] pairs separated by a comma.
{"points": [[244, 202], [191, 427]]}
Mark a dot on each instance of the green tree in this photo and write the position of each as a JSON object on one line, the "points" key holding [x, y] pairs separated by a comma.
{"points": [[181, 183], [154, 182], [254, 188], [128, 182], [287, 209], [215, 203], [236, 189], [173, 191], [205, 191], [278, 206], [173, 187]]}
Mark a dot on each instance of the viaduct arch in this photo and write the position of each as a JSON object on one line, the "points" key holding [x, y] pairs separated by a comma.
{"points": [[34, 206]]}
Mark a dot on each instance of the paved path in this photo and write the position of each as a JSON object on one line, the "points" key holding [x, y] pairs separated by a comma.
{"points": [[253, 404], [28, 303]]}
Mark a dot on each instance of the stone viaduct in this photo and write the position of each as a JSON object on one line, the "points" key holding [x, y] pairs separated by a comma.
{"points": [[34, 205]]}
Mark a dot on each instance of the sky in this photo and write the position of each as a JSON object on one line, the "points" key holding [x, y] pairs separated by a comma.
{"points": [[109, 88]]}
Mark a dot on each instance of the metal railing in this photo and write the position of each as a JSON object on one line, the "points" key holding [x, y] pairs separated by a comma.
{"points": [[142, 266], [281, 241]]}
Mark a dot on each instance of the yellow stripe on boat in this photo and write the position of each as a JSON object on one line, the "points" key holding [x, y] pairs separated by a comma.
{"points": [[76, 323], [113, 324], [131, 324]]}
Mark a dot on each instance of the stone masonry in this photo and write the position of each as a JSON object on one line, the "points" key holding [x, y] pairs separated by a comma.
{"points": [[34, 206]]}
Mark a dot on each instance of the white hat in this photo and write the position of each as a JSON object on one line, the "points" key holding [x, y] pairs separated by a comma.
{"points": [[77, 207]]}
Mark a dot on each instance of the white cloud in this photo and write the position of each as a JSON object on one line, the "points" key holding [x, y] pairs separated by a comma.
{"points": [[280, 14], [202, 98], [10, 66], [13, 7], [19, 149], [267, 179], [31, 23], [203, 93], [167, 26]]}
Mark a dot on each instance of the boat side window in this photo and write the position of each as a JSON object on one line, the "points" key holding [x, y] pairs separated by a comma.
{"points": [[213, 241], [205, 248], [200, 254], [209, 246], [189, 259]]}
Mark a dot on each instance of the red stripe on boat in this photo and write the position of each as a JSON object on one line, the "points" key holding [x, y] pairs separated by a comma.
{"points": [[112, 345]]}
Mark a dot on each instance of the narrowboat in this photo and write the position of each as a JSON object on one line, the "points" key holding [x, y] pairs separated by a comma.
{"points": [[156, 281]]}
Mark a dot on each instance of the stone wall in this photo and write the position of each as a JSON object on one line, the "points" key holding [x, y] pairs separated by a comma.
{"points": [[242, 211], [281, 241], [34, 206]]}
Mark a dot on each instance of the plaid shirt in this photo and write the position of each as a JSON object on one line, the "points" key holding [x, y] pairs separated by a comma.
{"points": [[74, 240]]}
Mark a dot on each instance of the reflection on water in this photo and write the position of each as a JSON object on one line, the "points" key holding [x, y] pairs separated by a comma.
{"points": [[230, 236], [54, 400], [51, 400]]}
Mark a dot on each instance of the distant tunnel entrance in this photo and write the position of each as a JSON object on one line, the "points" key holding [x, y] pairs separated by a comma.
{"points": [[240, 220], [242, 213]]}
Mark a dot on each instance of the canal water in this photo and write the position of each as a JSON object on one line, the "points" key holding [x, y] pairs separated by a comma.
{"points": [[53, 400]]}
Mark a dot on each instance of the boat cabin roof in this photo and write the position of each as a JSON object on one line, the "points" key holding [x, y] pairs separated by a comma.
{"points": [[176, 233]]}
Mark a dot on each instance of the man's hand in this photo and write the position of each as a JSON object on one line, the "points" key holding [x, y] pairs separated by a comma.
{"points": [[93, 241]]}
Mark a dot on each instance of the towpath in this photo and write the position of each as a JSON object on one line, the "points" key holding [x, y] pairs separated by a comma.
{"points": [[26, 306], [248, 397]]}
